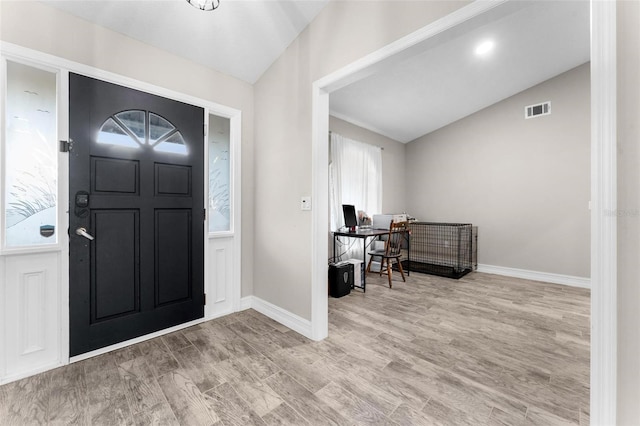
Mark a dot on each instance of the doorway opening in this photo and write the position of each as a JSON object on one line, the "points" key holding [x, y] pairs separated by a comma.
{"points": [[603, 185]]}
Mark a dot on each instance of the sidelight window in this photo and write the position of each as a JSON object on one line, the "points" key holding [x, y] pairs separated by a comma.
{"points": [[30, 161], [219, 174]]}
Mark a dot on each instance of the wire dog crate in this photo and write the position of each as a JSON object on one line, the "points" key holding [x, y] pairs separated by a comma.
{"points": [[444, 249]]}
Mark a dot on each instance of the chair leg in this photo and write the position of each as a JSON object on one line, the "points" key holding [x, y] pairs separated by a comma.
{"points": [[401, 270], [382, 259], [389, 272], [369, 264]]}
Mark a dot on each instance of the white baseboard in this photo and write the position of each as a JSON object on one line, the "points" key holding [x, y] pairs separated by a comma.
{"points": [[536, 276], [14, 377], [245, 303], [276, 313]]}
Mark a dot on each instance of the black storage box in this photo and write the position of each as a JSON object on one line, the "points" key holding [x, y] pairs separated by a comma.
{"points": [[340, 279]]}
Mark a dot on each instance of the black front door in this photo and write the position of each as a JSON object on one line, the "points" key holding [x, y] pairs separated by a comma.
{"points": [[136, 260]]}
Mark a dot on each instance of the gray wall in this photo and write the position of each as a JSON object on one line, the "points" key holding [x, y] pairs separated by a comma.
{"points": [[393, 162], [524, 183], [628, 38], [343, 32]]}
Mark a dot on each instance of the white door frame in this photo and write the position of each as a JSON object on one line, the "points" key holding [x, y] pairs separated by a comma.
{"points": [[603, 186], [63, 67]]}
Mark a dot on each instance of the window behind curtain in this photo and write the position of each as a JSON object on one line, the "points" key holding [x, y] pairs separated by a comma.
{"points": [[355, 177]]}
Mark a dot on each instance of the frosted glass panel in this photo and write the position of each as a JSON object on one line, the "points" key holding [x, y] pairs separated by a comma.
{"points": [[30, 165], [219, 174]]}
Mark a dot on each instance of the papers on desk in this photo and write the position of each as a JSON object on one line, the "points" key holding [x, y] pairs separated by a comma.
{"points": [[382, 221]]}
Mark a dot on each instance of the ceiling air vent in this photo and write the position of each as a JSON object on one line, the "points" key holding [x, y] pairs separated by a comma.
{"points": [[532, 111]]}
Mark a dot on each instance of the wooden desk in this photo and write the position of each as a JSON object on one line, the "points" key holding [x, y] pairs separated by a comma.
{"points": [[365, 234]]}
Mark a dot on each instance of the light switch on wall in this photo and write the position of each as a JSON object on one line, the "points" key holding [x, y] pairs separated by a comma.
{"points": [[305, 203]]}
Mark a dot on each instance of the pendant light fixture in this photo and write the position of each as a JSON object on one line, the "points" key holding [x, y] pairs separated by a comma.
{"points": [[204, 4]]}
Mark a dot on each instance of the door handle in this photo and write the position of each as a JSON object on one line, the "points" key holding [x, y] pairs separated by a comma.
{"points": [[83, 233]]}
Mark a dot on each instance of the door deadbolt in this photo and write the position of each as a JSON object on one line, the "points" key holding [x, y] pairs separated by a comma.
{"points": [[82, 199]]}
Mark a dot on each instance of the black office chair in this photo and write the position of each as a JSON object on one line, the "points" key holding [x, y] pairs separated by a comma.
{"points": [[392, 251]]}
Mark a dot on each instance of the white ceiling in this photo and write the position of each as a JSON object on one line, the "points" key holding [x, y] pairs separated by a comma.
{"points": [[439, 81], [241, 38], [447, 81]]}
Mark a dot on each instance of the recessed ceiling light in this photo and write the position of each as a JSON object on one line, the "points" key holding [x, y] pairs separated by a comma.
{"points": [[484, 47]]}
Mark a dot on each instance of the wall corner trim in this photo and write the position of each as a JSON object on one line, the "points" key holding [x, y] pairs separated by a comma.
{"points": [[536, 276], [604, 175], [245, 303]]}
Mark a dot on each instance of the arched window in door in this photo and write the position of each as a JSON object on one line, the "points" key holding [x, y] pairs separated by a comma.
{"points": [[137, 128]]}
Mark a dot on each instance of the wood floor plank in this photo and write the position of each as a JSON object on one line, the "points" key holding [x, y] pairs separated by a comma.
{"points": [[68, 400], [370, 391], [175, 341], [158, 356], [204, 339], [439, 413], [28, 403], [350, 405], [189, 405], [160, 415], [323, 348], [482, 350], [107, 401], [260, 397], [141, 388], [538, 417], [232, 370], [199, 368], [112, 411], [406, 415], [264, 343], [314, 410], [259, 365], [231, 408], [301, 368], [444, 388], [6, 394], [257, 325], [585, 418], [396, 386], [220, 332], [284, 415], [125, 354]]}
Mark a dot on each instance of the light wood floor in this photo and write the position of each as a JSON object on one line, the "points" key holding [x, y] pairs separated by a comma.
{"points": [[480, 350]]}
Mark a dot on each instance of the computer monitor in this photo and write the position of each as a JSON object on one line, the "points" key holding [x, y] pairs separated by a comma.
{"points": [[350, 218]]}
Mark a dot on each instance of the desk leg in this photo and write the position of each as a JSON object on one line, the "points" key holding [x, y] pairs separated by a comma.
{"points": [[364, 264], [334, 249]]}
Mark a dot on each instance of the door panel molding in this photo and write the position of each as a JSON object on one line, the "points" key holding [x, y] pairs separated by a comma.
{"points": [[173, 255], [103, 167], [108, 244]]}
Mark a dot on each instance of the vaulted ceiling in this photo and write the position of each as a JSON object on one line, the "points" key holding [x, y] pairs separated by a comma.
{"points": [[240, 38], [529, 42], [443, 82]]}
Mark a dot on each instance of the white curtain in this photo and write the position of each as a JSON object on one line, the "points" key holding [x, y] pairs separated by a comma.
{"points": [[355, 177]]}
